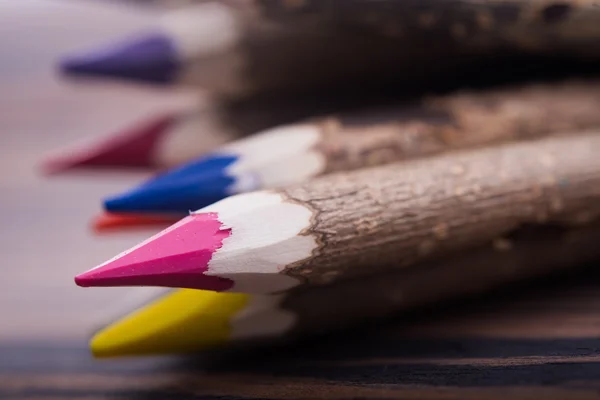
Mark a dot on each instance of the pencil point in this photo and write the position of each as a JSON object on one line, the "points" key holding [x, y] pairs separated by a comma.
{"points": [[151, 58], [190, 187], [175, 257], [134, 147], [107, 222], [181, 321]]}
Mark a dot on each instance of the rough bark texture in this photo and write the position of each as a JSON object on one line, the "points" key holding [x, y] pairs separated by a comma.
{"points": [[272, 60], [461, 120], [279, 56], [385, 218], [571, 26], [526, 253]]}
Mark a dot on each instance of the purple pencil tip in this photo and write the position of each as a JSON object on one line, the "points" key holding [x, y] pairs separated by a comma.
{"points": [[151, 58]]}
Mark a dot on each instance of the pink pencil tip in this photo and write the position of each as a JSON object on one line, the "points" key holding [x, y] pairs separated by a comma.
{"points": [[81, 280], [175, 257], [134, 147]]}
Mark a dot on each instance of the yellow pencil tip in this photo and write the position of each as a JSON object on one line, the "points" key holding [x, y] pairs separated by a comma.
{"points": [[182, 321]]}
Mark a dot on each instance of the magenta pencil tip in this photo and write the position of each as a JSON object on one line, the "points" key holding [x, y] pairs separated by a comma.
{"points": [[82, 280], [175, 257], [133, 147]]}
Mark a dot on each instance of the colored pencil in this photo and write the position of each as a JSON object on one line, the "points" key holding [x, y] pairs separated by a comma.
{"points": [[161, 142], [108, 222], [132, 147], [192, 32], [166, 141], [234, 52], [187, 320], [368, 221], [568, 27], [230, 51], [295, 153]]}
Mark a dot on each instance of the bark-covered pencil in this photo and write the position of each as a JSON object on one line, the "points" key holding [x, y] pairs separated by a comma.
{"points": [[232, 49], [369, 221], [568, 27], [167, 140], [229, 50], [196, 31], [188, 320], [295, 153]]}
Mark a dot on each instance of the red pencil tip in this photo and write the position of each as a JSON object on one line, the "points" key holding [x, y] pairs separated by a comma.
{"points": [[107, 222], [175, 257], [133, 147]]}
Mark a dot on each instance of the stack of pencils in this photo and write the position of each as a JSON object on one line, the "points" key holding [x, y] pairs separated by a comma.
{"points": [[356, 159]]}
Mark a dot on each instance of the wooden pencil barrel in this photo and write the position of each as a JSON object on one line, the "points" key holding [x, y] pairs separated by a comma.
{"points": [[392, 217], [526, 253], [569, 27], [394, 47], [461, 120], [274, 60]]}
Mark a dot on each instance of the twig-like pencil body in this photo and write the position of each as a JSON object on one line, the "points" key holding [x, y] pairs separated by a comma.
{"points": [[189, 320], [295, 153], [370, 221], [528, 252], [570, 26], [168, 140], [233, 51]]}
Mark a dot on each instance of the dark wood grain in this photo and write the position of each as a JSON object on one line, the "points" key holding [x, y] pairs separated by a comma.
{"points": [[536, 341], [566, 26]]}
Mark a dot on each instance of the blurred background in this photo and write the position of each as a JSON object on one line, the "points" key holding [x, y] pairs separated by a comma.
{"points": [[45, 237]]}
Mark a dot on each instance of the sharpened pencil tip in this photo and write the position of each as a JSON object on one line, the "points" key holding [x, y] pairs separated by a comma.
{"points": [[151, 58], [191, 187], [181, 321], [107, 222], [175, 257], [80, 280], [131, 148]]}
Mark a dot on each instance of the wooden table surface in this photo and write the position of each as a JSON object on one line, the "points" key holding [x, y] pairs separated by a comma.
{"points": [[541, 342]]}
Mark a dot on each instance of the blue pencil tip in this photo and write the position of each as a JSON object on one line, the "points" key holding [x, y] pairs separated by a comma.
{"points": [[190, 187], [150, 59]]}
